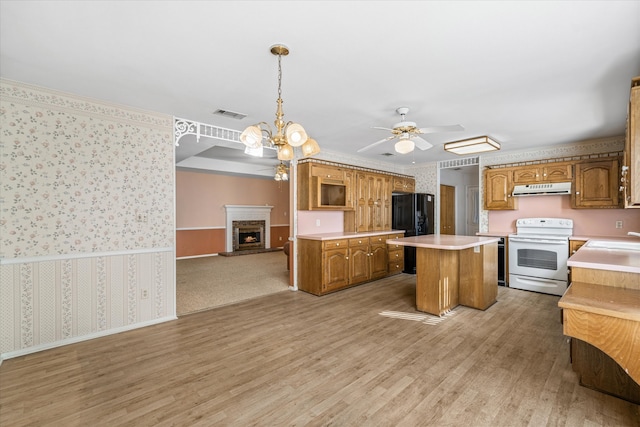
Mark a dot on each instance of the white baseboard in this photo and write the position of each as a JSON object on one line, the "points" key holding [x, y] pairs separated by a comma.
{"points": [[37, 348]]}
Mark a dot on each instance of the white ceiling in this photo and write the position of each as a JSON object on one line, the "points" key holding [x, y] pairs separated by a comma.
{"points": [[528, 74]]}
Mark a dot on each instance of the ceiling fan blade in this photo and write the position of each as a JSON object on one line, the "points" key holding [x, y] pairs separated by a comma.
{"points": [[375, 143], [434, 129], [378, 127], [421, 143]]}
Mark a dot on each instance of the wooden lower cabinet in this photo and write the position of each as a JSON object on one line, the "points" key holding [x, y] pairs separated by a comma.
{"points": [[598, 371], [330, 265]]}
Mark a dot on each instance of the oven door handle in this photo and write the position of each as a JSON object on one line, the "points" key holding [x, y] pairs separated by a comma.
{"points": [[523, 240]]}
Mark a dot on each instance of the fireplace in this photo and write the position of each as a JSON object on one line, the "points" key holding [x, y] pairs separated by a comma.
{"points": [[248, 235], [256, 220]]}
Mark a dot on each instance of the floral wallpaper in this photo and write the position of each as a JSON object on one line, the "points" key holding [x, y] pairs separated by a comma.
{"points": [[87, 219], [80, 176]]}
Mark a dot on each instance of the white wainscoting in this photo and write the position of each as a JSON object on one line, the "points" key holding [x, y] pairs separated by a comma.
{"points": [[46, 302]]}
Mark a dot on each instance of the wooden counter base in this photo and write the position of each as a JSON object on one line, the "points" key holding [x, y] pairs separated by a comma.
{"points": [[447, 278]]}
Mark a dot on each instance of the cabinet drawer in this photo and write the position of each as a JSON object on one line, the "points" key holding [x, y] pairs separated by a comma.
{"points": [[395, 267], [396, 255], [334, 244], [359, 242], [378, 239]]}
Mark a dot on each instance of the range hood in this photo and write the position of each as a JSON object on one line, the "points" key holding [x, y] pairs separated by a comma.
{"points": [[557, 188]]}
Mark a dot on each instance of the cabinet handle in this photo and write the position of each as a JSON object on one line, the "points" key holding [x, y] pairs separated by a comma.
{"points": [[577, 192], [346, 257]]}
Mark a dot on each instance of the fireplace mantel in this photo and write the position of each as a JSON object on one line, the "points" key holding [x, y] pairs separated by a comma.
{"points": [[247, 213]]}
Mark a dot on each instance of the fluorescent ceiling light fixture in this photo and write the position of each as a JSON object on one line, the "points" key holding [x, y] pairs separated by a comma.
{"points": [[254, 151], [473, 145]]}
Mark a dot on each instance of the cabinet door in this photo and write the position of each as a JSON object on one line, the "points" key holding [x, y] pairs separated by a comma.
{"points": [[632, 149], [498, 187], [364, 202], [335, 269], [359, 270], [377, 203], [327, 172], [557, 173], [385, 207], [349, 181], [378, 260], [526, 175], [596, 184]]}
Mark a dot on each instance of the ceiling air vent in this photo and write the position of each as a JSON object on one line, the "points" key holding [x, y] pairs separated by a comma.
{"points": [[387, 154], [230, 114]]}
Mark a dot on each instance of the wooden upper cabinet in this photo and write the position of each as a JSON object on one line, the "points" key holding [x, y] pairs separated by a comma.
{"points": [[324, 187], [631, 171], [373, 202], [526, 175], [403, 185], [596, 184], [498, 186], [560, 172], [552, 172]]}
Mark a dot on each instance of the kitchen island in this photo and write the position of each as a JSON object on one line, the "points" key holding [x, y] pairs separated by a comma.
{"points": [[454, 270]]}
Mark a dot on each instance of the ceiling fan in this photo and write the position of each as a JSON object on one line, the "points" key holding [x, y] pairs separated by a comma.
{"points": [[408, 133]]}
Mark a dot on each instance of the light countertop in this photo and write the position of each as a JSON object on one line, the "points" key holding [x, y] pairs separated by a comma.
{"points": [[607, 259], [495, 233], [444, 241], [346, 235]]}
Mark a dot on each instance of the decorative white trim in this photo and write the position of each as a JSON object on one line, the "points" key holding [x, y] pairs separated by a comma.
{"points": [[37, 348], [247, 213], [10, 261]]}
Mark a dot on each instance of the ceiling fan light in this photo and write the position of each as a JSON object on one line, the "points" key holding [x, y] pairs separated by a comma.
{"points": [[471, 146], [252, 136], [310, 148], [296, 135], [285, 152], [404, 146]]}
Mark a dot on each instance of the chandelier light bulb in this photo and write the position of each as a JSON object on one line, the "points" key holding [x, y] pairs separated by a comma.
{"points": [[285, 152], [252, 136], [296, 135], [310, 148]]}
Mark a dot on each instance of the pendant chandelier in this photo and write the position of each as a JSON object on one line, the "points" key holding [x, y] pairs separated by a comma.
{"points": [[281, 173], [287, 135]]}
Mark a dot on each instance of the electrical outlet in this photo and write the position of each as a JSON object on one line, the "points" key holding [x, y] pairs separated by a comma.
{"points": [[144, 294], [618, 224], [317, 223]]}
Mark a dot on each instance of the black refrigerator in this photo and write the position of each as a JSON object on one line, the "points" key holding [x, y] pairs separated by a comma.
{"points": [[412, 213]]}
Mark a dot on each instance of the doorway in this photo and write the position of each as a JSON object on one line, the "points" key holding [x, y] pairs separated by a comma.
{"points": [[464, 176]]}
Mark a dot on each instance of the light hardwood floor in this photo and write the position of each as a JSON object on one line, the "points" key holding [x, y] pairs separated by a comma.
{"points": [[295, 359]]}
